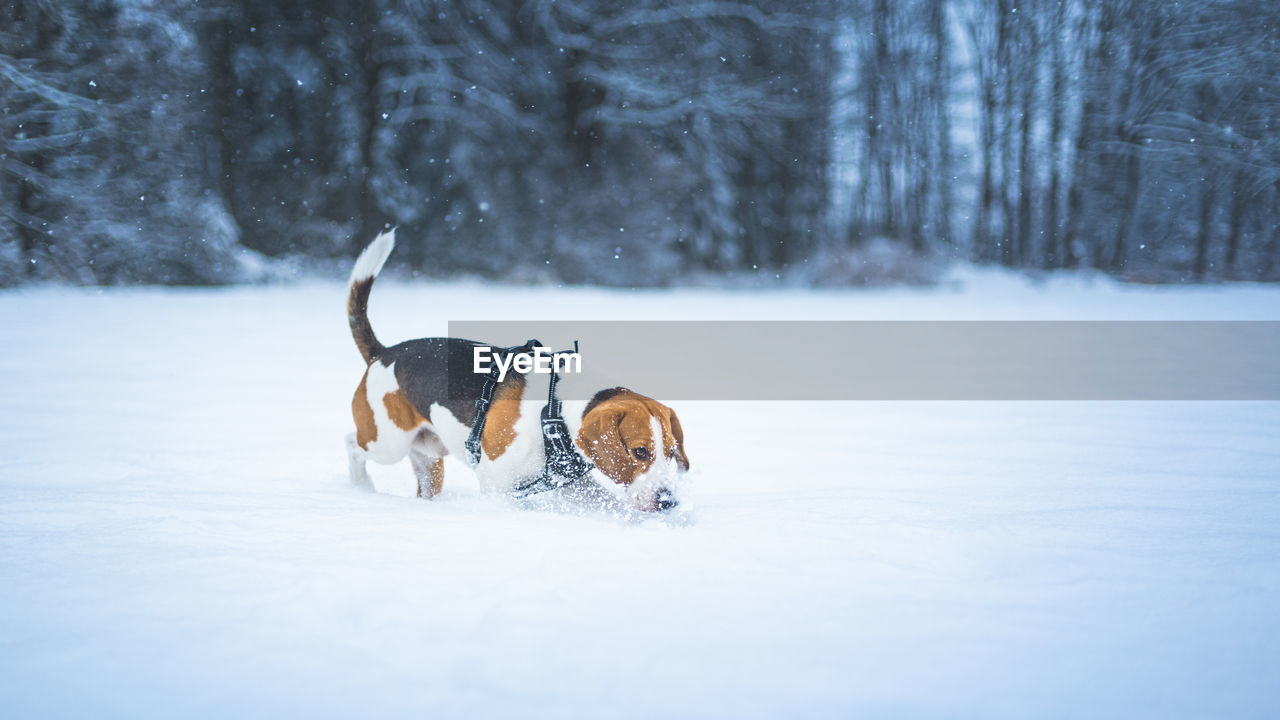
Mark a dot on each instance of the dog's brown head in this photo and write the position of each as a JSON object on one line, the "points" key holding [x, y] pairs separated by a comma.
{"points": [[638, 443]]}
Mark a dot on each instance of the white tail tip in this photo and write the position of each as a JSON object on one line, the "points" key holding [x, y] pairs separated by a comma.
{"points": [[374, 256]]}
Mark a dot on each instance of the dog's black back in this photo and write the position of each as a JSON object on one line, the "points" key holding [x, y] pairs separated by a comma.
{"points": [[440, 370]]}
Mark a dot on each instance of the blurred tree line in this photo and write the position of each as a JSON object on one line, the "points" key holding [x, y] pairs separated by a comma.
{"points": [[638, 143]]}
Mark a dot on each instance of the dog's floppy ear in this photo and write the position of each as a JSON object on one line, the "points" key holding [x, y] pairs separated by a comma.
{"points": [[678, 433], [600, 437]]}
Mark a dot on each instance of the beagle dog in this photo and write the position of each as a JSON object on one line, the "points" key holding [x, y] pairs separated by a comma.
{"points": [[418, 400]]}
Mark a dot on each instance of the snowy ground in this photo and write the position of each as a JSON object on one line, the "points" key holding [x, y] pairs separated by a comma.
{"points": [[178, 539]]}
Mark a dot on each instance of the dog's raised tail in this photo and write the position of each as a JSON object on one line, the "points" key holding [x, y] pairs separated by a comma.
{"points": [[367, 267]]}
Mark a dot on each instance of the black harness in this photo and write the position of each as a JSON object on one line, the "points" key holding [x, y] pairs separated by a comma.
{"points": [[562, 463]]}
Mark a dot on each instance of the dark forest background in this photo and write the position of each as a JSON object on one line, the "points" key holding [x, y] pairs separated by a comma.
{"points": [[639, 143]]}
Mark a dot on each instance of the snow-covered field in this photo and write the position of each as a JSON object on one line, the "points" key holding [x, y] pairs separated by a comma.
{"points": [[178, 537]]}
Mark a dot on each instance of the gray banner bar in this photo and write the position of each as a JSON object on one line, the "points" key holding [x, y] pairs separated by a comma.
{"points": [[1039, 360]]}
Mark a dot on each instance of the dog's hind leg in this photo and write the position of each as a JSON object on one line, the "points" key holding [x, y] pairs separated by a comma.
{"points": [[430, 473], [355, 464], [426, 454]]}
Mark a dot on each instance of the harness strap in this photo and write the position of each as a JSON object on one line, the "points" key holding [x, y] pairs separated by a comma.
{"points": [[486, 400], [562, 463]]}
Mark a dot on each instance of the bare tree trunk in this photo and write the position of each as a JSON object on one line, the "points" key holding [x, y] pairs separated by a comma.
{"points": [[1029, 64], [919, 171], [941, 92], [917, 160], [1273, 247], [371, 219], [982, 227], [1204, 237], [858, 217], [883, 154], [871, 75], [1235, 221], [1004, 62], [1127, 227], [224, 34], [1077, 244], [982, 244], [1054, 253]]}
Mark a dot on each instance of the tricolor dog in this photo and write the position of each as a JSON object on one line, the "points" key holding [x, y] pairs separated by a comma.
{"points": [[418, 400]]}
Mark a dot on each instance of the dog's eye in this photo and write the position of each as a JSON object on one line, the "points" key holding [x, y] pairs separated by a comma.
{"points": [[641, 453]]}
